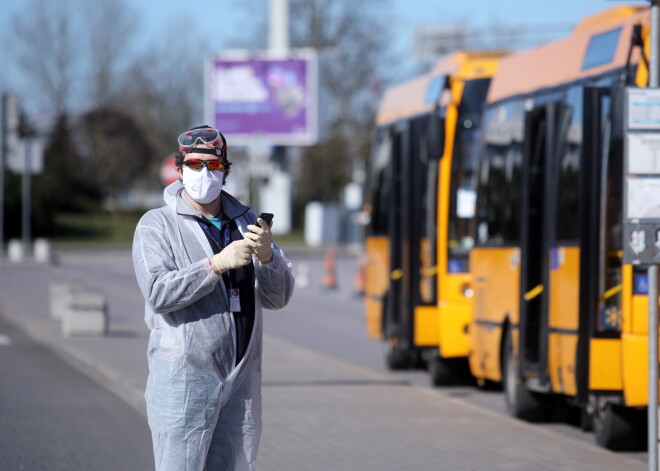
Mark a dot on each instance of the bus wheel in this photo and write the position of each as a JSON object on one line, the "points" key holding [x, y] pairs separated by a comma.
{"points": [[619, 428], [520, 402], [440, 372], [396, 359]]}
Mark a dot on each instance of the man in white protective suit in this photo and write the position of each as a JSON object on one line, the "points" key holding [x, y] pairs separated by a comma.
{"points": [[206, 265]]}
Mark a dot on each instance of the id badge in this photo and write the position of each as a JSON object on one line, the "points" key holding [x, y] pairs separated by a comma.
{"points": [[234, 300]]}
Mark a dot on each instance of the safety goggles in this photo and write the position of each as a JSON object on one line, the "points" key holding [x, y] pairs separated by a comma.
{"points": [[197, 164], [204, 135]]}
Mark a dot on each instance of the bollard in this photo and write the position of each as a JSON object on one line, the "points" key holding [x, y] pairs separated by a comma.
{"points": [[42, 251], [302, 275], [87, 314], [15, 252]]}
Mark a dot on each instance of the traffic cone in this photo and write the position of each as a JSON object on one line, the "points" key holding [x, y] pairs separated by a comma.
{"points": [[359, 276], [330, 277]]}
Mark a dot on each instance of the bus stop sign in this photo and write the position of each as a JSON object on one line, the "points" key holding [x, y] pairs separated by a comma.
{"points": [[641, 234]]}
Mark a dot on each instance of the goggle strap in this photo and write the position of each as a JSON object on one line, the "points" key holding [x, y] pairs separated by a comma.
{"points": [[204, 150]]}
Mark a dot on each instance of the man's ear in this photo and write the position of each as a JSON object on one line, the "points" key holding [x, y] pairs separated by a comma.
{"points": [[179, 171]]}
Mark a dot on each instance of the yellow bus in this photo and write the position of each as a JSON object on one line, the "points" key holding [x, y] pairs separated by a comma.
{"points": [[556, 312], [420, 200]]}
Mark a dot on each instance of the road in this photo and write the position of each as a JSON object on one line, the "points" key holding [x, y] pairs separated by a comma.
{"points": [[332, 322], [341, 379], [55, 418]]}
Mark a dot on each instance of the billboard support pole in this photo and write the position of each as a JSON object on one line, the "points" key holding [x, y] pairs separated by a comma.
{"points": [[278, 28], [3, 157], [653, 368], [9, 127], [278, 43], [26, 197]]}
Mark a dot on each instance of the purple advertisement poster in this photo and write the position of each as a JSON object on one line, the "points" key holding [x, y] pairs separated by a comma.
{"points": [[273, 99]]}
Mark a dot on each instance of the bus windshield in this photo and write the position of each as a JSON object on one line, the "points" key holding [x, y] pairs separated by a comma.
{"points": [[463, 178]]}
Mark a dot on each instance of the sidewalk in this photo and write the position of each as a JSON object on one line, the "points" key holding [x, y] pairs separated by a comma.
{"points": [[320, 413]]}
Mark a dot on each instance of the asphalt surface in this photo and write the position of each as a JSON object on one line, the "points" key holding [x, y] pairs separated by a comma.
{"points": [[55, 418], [329, 403]]}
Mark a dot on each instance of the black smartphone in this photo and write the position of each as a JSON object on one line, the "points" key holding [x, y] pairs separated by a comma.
{"points": [[267, 217]]}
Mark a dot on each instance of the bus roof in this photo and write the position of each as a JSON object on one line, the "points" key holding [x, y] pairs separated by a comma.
{"points": [[409, 98], [568, 59]]}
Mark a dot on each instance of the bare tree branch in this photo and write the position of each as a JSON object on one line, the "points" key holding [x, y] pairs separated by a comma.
{"points": [[47, 50], [112, 25]]}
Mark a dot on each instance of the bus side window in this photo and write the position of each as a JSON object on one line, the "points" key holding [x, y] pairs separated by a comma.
{"points": [[436, 136], [569, 171], [498, 192], [380, 186]]}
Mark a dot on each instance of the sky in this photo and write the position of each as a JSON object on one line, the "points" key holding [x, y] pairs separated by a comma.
{"points": [[156, 15], [160, 17]]}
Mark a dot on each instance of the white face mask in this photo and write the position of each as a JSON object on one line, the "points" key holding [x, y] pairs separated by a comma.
{"points": [[202, 185]]}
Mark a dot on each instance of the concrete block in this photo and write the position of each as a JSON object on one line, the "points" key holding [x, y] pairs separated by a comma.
{"points": [[87, 314], [61, 295]]}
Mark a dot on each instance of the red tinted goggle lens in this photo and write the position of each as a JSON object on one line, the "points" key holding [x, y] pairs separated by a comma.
{"points": [[196, 164]]}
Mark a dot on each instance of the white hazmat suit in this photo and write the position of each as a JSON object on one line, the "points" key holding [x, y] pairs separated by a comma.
{"points": [[203, 410]]}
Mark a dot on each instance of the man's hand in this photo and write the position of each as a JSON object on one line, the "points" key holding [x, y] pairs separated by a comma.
{"points": [[260, 240], [235, 255]]}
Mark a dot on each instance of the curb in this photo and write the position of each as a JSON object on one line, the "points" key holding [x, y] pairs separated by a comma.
{"points": [[105, 377]]}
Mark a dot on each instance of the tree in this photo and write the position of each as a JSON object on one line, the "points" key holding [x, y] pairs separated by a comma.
{"points": [[111, 27], [113, 149], [352, 41], [48, 51], [353, 45], [58, 189], [164, 90], [61, 45]]}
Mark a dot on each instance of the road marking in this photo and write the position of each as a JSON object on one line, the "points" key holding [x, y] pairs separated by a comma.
{"points": [[4, 340]]}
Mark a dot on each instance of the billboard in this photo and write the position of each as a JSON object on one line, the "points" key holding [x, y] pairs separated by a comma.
{"points": [[265, 97]]}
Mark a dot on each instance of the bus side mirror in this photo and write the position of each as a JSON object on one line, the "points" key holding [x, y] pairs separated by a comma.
{"points": [[436, 137]]}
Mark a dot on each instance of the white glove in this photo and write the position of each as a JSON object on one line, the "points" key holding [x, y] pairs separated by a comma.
{"points": [[260, 240], [235, 255]]}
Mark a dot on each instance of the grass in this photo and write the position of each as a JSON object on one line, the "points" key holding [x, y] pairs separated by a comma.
{"points": [[292, 238], [105, 228], [95, 228]]}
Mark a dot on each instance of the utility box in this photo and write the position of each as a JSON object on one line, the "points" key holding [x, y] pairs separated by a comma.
{"points": [[322, 224], [275, 197]]}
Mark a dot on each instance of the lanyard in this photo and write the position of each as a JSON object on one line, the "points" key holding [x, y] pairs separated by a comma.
{"points": [[229, 276], [226, 232]]}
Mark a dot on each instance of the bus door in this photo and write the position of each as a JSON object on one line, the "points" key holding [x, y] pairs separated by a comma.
{"points": [[392, 327], [537, 221], [601, 193], [406, 229], [377, 240]]}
